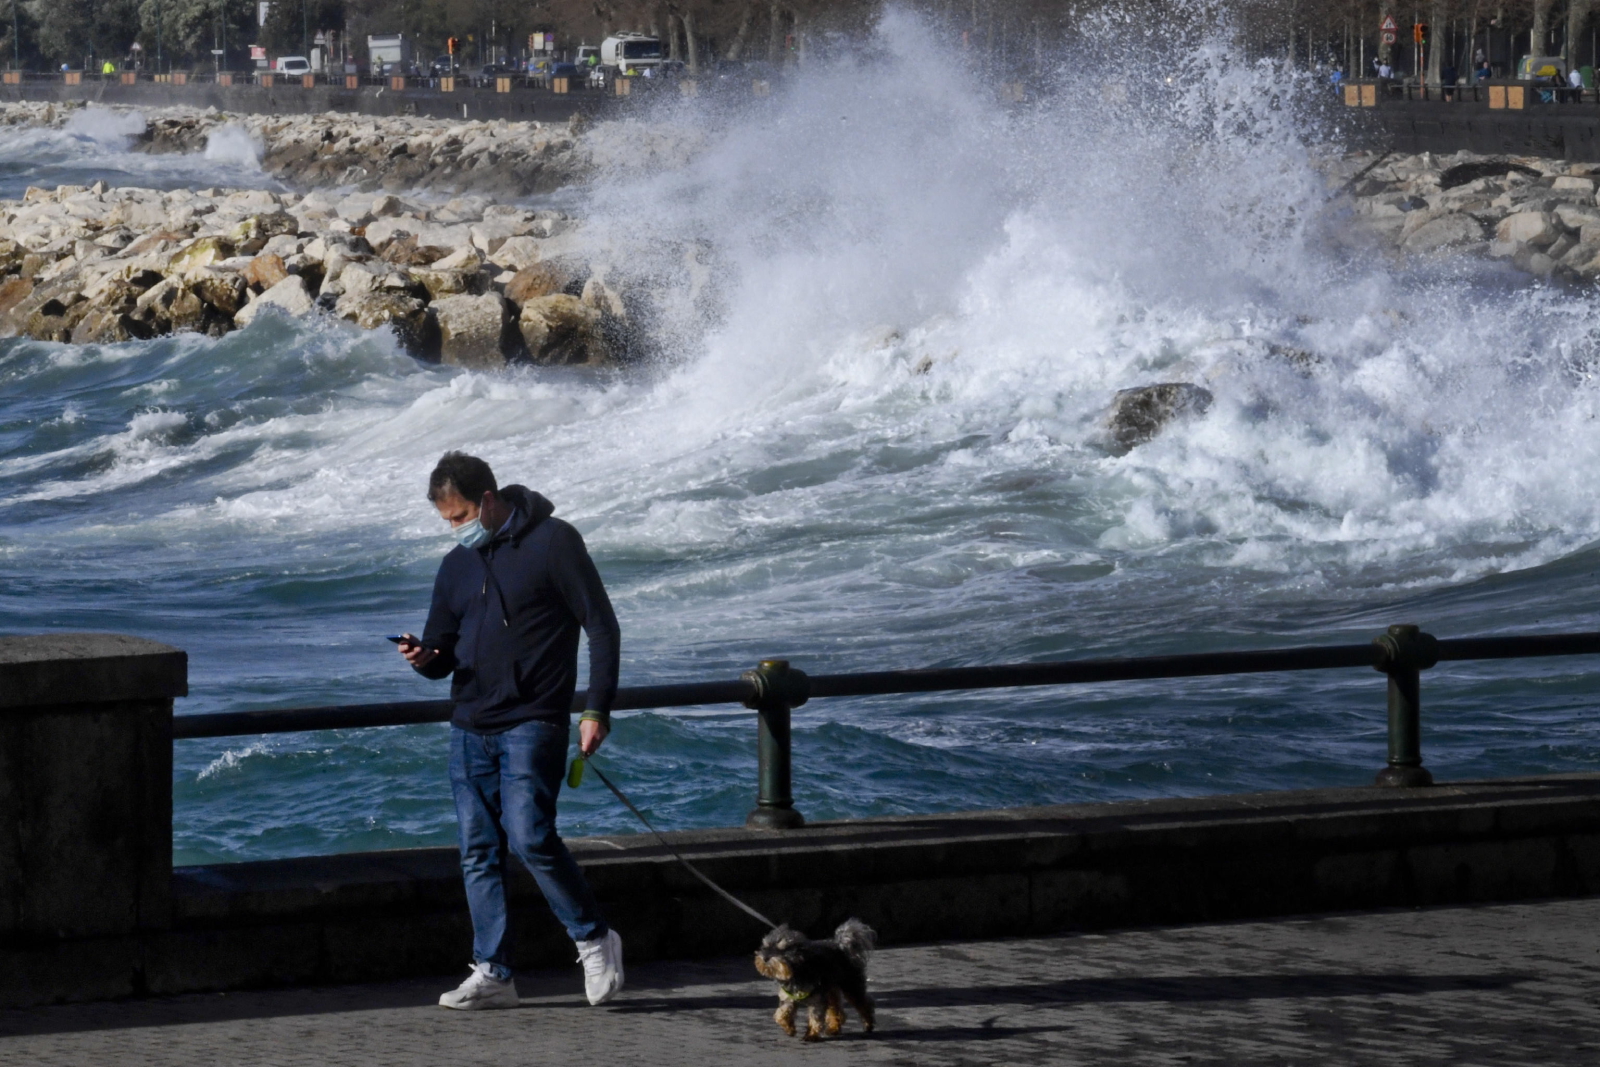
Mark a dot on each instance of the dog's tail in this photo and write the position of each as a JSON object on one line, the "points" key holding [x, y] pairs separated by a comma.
{"points": [[857, 939]]}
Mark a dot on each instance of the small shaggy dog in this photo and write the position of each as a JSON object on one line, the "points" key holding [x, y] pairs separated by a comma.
{"points": [[819, 973]]}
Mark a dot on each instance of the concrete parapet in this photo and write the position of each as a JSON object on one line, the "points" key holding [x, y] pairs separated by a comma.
{"points": [[368, 916], [90, 906], [85, 809]]}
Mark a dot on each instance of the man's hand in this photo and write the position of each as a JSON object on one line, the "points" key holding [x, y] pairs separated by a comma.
{"points": [[414, 653], [590, 736]]}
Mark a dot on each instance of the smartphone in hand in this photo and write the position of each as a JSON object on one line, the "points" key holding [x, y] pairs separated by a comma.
{"points": [[402, 639]]}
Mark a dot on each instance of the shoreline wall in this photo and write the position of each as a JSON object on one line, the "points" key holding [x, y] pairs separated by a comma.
{"points": [[529, 105], [90, 907]]}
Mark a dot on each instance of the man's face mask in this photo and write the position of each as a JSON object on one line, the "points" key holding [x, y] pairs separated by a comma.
{"points": [[471, 534]]}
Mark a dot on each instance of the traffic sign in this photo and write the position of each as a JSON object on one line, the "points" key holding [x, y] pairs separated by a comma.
{"points": [[1389, 24], [1388, 38]]}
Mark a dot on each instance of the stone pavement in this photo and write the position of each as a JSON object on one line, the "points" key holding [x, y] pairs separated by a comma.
{"points": [[1503, 984]]}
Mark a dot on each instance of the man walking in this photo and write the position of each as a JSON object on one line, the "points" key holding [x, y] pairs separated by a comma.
{"points": [[507, 606]]}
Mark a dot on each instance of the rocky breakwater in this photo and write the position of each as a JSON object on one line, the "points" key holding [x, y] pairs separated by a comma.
{"points": [[1541, 215], [471, 283], [398, 154]]}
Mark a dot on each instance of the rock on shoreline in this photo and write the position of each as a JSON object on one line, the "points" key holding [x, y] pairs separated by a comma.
{"points": [[400, 153], [473, 283], [1542, 215]]}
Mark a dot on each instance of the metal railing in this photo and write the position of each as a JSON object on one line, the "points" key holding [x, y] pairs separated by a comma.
{"points": [[774, 689]]}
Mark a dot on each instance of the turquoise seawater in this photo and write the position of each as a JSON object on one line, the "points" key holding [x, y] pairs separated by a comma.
{"points": [[889, 317]]}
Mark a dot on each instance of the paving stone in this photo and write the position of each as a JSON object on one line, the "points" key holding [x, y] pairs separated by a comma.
{"points": [[1492, 985]]}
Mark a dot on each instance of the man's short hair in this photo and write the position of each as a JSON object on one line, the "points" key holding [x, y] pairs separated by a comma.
{"points": [[457, 472]]}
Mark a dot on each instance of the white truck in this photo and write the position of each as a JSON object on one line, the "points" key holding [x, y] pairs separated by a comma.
{"points": [[630, 53], [389, 51]]}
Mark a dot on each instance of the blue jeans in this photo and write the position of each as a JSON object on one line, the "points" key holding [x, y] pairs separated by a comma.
{"points": [[505, 788]]}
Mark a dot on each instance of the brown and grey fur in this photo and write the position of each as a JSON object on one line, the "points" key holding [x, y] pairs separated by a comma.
{"points": [[821, 974]]}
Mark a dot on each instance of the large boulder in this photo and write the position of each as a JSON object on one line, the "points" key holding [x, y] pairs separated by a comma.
{"points": [[263, 228], [223, 290], [1138, 415], [538, 280], [443, 283], [288, 296], [417, 330], [265, 271], [201, 253], [109, 326], [14, 291], [472, 330], [1539, 229], [563, 330], [516, 253], [1447, 231], [57, 317]]}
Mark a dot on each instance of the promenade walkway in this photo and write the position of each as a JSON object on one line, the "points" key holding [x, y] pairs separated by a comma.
{"points": [[1505, 984]]}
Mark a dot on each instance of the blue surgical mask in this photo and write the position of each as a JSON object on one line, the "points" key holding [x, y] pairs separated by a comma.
{"points": [[471, 534]]}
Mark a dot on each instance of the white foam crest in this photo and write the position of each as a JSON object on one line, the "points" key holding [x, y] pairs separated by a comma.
{"points": [[105, 126], [920, 305], [233, 143], [232, 759]]}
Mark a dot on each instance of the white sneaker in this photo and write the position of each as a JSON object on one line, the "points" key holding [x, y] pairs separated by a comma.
{"points": [[481, 990], [602, 967]]}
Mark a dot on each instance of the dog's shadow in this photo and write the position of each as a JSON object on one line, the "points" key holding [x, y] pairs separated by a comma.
{"points": [[1186, 989]]}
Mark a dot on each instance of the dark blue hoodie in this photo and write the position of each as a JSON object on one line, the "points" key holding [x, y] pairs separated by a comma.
{"points": [[505, 620]]}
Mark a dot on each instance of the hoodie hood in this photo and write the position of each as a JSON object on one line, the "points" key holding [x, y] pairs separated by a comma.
{"points": [[531, 508]]}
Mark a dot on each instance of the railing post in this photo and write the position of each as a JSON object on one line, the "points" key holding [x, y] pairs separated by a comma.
{"points": [[1407, 651], [778, 689]]}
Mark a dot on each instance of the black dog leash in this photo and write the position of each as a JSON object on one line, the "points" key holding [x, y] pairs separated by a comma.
{"points": [[691, 868]]}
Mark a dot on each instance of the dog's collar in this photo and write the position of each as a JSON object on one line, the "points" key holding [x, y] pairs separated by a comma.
{"points": [[789, 992]]}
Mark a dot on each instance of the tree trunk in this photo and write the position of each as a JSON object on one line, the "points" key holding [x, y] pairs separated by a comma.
{"points": [[1539, 37], [775, 35], [746, 19], [673, 54], [1577, 17], [1436, 44], [1385, 50], [691, 45]]}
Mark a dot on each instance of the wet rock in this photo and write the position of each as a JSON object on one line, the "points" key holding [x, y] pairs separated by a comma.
{"points": [[472, 330], [200, 253], [1446, 231], [262, 228], [538, 280], [265, 271], [14, 291], [443, 283], [1537, 229], [516, 253], [1485, 168], [416, 329], [562, 330], [405, 251], [109, 326], [289, 296], [1138, 415], [225, 291]]}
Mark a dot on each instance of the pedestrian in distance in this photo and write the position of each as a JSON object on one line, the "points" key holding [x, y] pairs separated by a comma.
{"points": [[508, 603]]}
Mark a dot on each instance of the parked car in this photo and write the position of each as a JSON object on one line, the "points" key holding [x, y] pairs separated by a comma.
{"points": [[294, 66], [443, 66], [485, 75]]}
